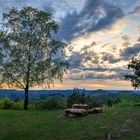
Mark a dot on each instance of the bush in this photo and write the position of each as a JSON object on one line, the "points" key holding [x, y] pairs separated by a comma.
{"points": [[6, 103], [52, 103], [18, 105], [78, 97], [96, 101]]}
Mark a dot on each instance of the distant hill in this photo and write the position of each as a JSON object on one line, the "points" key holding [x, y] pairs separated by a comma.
{"points": [[35, 95]]}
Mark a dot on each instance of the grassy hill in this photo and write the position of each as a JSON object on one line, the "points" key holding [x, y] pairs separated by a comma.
{"points": [[118, 122]]}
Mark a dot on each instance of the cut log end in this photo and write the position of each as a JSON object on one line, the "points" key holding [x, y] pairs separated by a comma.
{"points": [[95, 110]]}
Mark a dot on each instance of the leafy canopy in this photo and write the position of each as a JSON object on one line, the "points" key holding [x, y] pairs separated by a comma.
{"points": [[134, 72], [28, 53]]}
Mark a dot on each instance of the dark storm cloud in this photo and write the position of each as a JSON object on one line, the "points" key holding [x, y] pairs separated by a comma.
{"points": [[96, 15], [129, 52]]}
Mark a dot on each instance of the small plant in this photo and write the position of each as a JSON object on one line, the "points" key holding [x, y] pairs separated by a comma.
{"points": [[52, 103], [7, 104]]}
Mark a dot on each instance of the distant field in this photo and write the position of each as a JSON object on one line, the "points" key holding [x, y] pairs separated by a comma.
{"points": [[122, 123]]}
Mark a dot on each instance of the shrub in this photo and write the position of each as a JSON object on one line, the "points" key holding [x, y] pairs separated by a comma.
{"points": [[96, 101], [6, 103], [78, 97], [18, 105], [52, 103], [17, 99]]}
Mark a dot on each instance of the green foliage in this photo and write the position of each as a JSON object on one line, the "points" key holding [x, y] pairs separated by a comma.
{"points": [[134, 72], [52, 103], [78, 98], [18, 105], [28, 51], [121, 123], [17, 99], [100, 100], [6, 103]]}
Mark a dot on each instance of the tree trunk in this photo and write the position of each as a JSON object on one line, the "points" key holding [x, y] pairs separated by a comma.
{"points": [[26, 99]]}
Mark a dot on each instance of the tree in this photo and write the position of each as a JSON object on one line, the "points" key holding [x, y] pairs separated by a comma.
{"points": [[29, 55], [78, 97], [134, 72]]}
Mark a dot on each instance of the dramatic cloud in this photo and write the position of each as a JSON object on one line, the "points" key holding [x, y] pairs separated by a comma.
{"points": [[102, 36], [95, 15], [89, 64], [129, 52], [59, 8]]}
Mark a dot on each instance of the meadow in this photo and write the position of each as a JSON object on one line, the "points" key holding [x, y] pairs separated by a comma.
{"points": [[45, 119], [118, 122]]}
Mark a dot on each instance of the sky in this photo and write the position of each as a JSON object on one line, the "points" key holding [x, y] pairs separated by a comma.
{"points": [[102, 37]]}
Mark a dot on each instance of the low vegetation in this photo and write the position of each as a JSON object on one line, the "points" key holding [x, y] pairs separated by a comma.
{"points": [[117, 122], [52, 103], [77, 97], [46, 120]]}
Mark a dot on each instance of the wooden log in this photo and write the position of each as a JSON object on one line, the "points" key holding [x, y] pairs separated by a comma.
{"points": [[80, 106], [95, 110], [77, 112]]}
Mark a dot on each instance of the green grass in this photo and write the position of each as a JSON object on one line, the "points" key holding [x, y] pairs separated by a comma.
{"points": [[118, 122]]}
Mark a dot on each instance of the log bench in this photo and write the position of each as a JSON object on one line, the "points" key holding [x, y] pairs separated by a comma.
{"points": [[75, 112]]}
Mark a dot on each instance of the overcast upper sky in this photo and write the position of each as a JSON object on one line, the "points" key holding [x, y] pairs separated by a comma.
{"points": [[102, 37]]}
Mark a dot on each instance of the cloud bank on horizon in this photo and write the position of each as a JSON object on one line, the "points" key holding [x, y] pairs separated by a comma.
{"points": [[104, 35]]}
